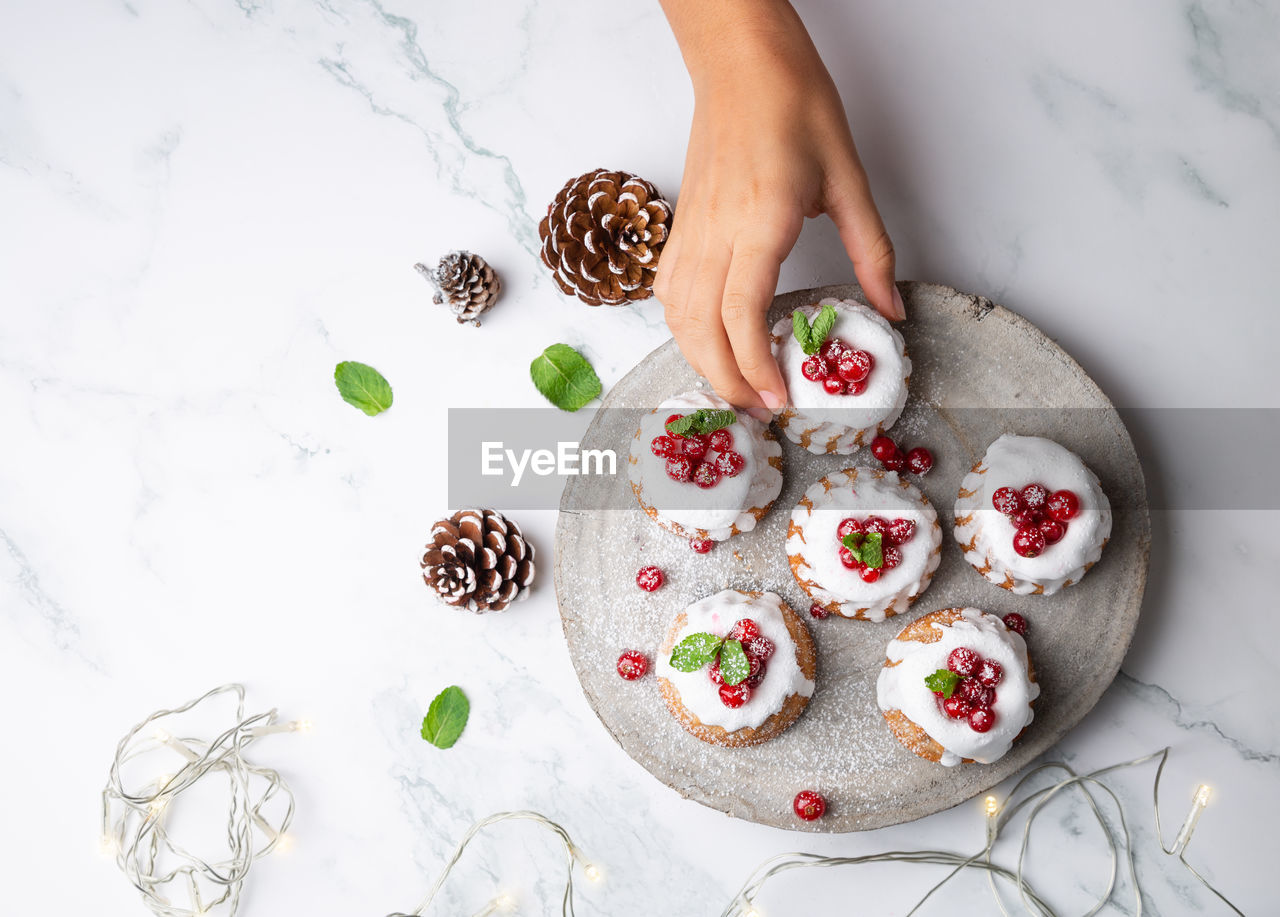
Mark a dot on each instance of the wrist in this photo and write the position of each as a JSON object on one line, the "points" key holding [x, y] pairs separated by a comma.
{"points": [[721, 40]]}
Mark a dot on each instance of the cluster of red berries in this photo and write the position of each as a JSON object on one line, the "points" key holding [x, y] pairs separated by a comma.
{"points": [[918, 460], [975, 695], [703, 458], [759, 649], [1039, 517], [894, 533], [839, 368]]}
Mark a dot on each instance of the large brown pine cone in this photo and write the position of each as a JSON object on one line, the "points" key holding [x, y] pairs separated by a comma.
{"points": [[479, 560], [602, 236], [465, 282]]}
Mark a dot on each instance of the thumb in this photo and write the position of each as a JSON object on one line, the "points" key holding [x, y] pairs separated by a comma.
{"points": [[852, 209]]}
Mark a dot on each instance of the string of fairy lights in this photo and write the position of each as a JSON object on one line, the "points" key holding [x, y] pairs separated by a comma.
{"points": [[175, 882]]}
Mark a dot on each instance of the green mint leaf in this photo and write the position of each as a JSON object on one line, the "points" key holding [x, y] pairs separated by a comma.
{"points": [[800, 328], [362, 386], [733, 663], [943, 680], [873, 551], [446, 717], [695, 651], [853, 542], [564, 377], [703, 420], [823, 322]]}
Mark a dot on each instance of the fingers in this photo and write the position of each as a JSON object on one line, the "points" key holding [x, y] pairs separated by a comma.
{"points": [[851, 207]]}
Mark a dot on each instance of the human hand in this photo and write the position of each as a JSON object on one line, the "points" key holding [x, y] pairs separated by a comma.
{"points": [[769, 146]]}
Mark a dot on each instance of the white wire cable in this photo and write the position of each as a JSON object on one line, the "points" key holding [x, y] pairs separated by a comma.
{"points": [[136, 815]]}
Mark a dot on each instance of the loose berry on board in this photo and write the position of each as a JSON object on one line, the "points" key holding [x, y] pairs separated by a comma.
{"points": [[735, 695], [680, 468], [1015, 622], [632, 665], [721, 440], [919, 460], [895, 462], [1052, 530], [848, 526], [1006, 500], [701, 545], [730, 463], [869, 574], [981, 719], [956, 706], [744, 631], [989, 673], [818, 611], [706, 475], [650, 579], [882, 447], [809, 805], [1028, 542], [833, 386], [901, 531], [963, 661], [1034, 496], [814, 369], [1063, 505]]}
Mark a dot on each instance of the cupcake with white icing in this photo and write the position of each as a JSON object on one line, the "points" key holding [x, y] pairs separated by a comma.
{"points": [[957, 687], [846, 370], [737, 668], [701, 471], [863, 543], [1031, 517]]}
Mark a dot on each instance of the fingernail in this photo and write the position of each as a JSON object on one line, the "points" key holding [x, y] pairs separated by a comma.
{"points": [[771, 401], [760, 414], [899, 309]]}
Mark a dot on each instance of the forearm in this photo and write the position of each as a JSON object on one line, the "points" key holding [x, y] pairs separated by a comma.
{"points": [[717, 37]]}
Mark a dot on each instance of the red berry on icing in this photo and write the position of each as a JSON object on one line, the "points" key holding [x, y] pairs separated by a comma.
{"points": [[848, 526], [919, 460], [680, 468], [1006, 500], [809, 805], [753, 681], [963, 661], [714, 672], [814, 369], [735, 695], [706, 475], [989, 673], [848, 560], [892, 557], [855, 365], [956, 707], [761, 647], [895, 462], [1015, 622], [664, 446], [975, 694], [632, 665], [1052, 531], [744, 631], [1023, 519], [981, 719], [818, 611], [1028, 542], [869, 574], [832, 349], [649, 579], [882, 447], [730, 463], [669, 419], [756, 669], [855, 388], [901, 531], [701, 545], [1063, 505], [877, 524], [833, 386], [721, 440], [695, 445], [1034, 496]]}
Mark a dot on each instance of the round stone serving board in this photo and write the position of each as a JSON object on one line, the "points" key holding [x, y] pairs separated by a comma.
{"points": [[979, 370]]}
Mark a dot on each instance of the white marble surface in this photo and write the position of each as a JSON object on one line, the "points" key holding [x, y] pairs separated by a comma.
{"points": [[205, 205]]}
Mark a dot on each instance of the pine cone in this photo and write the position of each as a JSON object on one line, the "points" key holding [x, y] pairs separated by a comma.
{"points": [[465, 282], [478, 560], [602, 236]]}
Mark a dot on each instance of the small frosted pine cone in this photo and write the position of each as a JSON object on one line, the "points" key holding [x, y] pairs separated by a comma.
{"points": [[479, 560], [465, 283]]}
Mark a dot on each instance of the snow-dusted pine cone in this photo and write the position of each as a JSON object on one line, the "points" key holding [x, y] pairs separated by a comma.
{"points": [[479, 560], [602, 236], [465, 282]]}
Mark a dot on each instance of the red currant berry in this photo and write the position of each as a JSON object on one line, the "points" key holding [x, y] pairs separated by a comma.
{"points": [[695, 445], [855, 388], [814, 369], [671, 418], [1034, 496], [1063, 505], [650, 579], [809, 805], [756, 666], [714, 672], [895, 462], [1028, 542], [1052, 531], [833, 386], [981, 719], [848, 560], [882, 447], [832, 350], [664, 446], [735, 695], [892, 557], [901, 531], [1006, 500], [956, 707], [975, 694], [848, 526], [869, 574], [744, 631], [919, 460], [856, 365], [989, 673], [1023, 519], [1015, 622], [730, 464], [760, 647], [963, 661], [818, 612], [680, 468], [632, 665], [701, 545], [753, 681], [721, 440], [706, 475], [876, 525]]}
